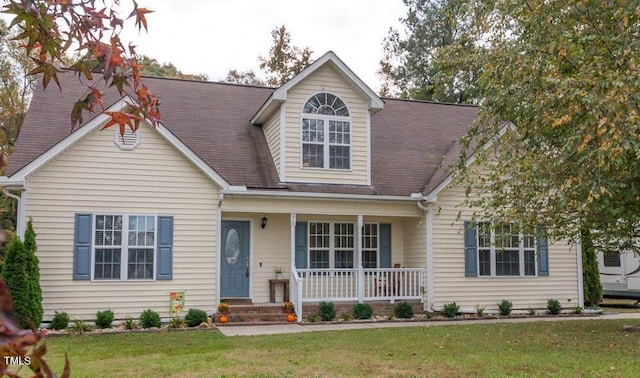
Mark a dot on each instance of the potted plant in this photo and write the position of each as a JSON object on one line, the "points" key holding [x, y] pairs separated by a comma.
{"points": [[223, 308], [278, 270], [287, 307]]}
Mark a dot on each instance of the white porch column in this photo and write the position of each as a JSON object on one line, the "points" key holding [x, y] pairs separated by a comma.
{"points": [[293, 241], [360, 225]]}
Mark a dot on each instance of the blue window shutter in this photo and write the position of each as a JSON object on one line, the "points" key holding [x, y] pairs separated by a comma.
{"points": [[165, 248], [301, 245], [543, 252], [82, 247], [385, 245], [470, 249]]}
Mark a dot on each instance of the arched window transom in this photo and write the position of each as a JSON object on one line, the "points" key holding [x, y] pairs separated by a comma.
{"points": [[326, 133]]}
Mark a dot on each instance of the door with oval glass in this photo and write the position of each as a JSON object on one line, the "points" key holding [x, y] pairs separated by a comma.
{"points": [[234, 260]]}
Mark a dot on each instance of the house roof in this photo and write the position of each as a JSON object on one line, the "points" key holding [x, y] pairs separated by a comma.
{"points": [[409, 139]]}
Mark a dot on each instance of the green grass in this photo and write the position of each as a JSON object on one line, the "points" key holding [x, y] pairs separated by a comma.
{"points": [[589, 348]]}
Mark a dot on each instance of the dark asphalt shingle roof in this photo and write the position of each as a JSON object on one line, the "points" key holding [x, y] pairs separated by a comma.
{"points": [[409, 138]]}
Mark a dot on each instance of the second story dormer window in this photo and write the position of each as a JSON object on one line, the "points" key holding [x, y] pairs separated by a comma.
{"points": [[326, 133]]}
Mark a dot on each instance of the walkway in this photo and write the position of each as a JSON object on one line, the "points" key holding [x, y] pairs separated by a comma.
{"points": [[316, 327]]}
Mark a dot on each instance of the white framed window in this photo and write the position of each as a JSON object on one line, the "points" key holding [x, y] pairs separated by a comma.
{"points": [[332, 245], [124, 247], [370, 246], [326, 133], [504, 250]]}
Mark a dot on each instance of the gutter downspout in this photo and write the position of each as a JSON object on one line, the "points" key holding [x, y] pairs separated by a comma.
{"points": [[429, 236], [21, 223]]}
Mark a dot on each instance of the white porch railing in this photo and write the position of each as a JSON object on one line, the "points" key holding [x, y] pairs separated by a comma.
{"points": [[316, 285]]}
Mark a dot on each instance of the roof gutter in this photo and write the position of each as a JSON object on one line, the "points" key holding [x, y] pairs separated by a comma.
{"points": [[315, 195], [6, 182]]}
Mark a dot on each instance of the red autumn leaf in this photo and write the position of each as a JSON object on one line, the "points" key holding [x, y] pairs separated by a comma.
{"points": [[122, 120], [139, 13]]}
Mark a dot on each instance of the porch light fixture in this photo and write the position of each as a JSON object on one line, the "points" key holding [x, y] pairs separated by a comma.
{"points": [[264, 222]]}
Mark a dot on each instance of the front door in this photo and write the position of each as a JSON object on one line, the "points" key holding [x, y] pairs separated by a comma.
{"points": [[234, 259]]}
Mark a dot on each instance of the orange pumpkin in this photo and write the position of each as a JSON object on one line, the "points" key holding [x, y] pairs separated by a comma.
{"points": [[291, 317], [223, 319]]}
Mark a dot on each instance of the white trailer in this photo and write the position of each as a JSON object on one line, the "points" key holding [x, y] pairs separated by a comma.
{"points": [[620, 275]]}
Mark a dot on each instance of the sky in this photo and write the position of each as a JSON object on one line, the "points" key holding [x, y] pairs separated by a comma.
{"points": [[213, 36]]}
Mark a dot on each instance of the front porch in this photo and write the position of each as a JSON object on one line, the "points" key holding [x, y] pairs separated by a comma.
{"points": [[342, 258]]}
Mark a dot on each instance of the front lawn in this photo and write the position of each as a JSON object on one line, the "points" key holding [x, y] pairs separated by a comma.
{"points": [[586, 348]]}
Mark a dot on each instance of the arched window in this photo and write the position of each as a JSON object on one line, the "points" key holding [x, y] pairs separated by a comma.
{"points": [[326, 133]]}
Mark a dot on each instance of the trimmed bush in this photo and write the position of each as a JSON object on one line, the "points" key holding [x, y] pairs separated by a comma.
{"points": [[104, 319], [450, 309], [16, 276], [33, 270], [362, 311], [60, 321], [195, 317], [505, 307], [150, 319], [403, 310], [553, 306], [327, 311]]}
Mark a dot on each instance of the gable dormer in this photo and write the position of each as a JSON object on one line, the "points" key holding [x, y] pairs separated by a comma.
{"points": [[318, 125]]}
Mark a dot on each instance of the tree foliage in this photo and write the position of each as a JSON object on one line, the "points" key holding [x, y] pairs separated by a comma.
{"points": [[152, 67], [563, 76], [16, 87], [50, 28], [284, 60], [417, 62], [243, 78]]}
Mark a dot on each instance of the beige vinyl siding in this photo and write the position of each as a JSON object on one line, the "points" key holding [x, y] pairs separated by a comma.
{"points": [[327, 79], [451, 285], [320, 206], [95, 176], [415, 247], [272, 134]]}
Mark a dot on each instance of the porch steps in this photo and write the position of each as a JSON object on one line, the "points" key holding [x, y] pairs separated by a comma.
{"points": [[254, 314]]}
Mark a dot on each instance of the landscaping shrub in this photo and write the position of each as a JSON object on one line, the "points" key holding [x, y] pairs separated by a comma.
{"points": [[553, 306], [60, 321], [532, 311], [195, 317], [33, 270], [450, 309], [149, 319], [129, 323], [80, 326], [176, 322], [592, 287], [577, 310], [327, 311], [104, 319], [479, 310], [362, 311], [505, 307], [16, 276], [403, 310]]}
